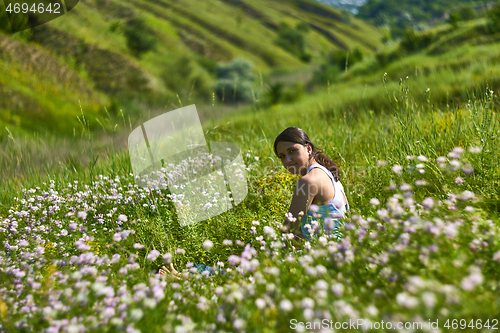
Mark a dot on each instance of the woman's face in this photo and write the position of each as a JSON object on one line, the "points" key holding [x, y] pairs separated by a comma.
{"points": [[294, 156]]}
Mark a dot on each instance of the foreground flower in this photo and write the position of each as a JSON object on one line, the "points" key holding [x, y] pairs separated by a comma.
{"points": [[153, 255], [208, 244]]}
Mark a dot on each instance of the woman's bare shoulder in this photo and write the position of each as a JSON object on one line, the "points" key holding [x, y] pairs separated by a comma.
{"points": [[317, 176]]}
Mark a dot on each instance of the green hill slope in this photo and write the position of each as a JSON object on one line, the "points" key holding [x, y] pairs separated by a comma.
{"points": [[83, 61]]}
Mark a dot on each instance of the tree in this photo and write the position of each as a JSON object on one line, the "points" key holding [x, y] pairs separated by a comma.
{"points": [[234, 81], [139, 38]]}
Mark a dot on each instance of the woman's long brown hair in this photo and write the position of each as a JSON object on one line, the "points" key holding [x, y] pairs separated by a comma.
{"points": [[297, 135]]}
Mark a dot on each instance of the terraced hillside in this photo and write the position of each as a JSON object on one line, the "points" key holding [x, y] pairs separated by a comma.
{"points": [[83, 62]]}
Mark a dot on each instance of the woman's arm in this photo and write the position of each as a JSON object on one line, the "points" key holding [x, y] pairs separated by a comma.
{"points": [[301, 201]]}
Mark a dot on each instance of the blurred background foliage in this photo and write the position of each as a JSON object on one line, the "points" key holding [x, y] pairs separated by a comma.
{"points": [[72, 89]]}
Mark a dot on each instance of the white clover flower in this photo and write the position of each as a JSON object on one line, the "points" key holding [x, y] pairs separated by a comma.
{"points": [[429, 299], [338, 289], [286, 305], [208, 244], [136, 314], [372, 311], [269, 231], [406, 300], [122, 218], [397, 169], [441, 159], [428, 203], [260, 303], [321, 285], [117, 237], [475, 150], [153, 255], [422, 158], [374, 202]]}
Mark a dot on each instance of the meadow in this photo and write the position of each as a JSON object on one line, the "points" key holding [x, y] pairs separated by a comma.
{"points": [[416, 141], [420, 246]]}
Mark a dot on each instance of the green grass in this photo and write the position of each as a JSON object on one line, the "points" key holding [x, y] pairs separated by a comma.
{"points": [[400, 258]]}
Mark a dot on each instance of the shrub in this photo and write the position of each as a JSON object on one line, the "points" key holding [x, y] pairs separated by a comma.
{"points": [[467, 13], [413, 42], [234, 81], [293, 40], [341, 58], [185, 78], [454, 19], [278, 93], [139, 38], [494, 18]]}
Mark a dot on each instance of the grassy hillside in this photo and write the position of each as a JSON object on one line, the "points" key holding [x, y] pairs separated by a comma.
{"points": [[86, 57], [415, 131]]}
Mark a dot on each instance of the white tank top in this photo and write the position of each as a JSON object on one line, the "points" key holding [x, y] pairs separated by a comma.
{"points": [[337, 185]]}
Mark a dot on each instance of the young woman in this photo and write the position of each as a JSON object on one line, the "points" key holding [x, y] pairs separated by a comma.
{"points": [[318, 192]]}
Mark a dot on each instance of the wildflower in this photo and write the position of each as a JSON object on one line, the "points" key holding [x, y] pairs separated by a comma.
{"points": [[260, 303], [314, 208], [307, 303], [441, 159], [406, 300], [82, 215], [475, 150], [138, 246], [467, 169], [471, 281], [422, 158], [180, 251], [381, 163], [153, 255], [459, 180], [233, 259], [397, 169], [117, 237], [208, 244], [428, 203], [372, 311], [496, 256], [136, 314], [167, 257], [455, 164], [122, 218], [338, 289], [374, 202], [466, 195], [321, 285], [286, 305], [269, 231], [420, 182], [227, 242], [429, 299]]}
